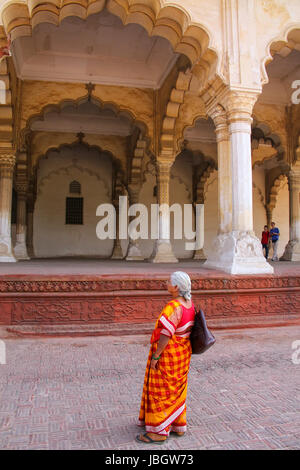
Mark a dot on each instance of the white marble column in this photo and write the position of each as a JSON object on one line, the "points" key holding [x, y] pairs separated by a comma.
{"points": [[199, 253], [224, 173], [133, 252], [117, 251], [292, 249], [239, 251], [163, 252], [7, 164], [30, 211], [20, 248]]}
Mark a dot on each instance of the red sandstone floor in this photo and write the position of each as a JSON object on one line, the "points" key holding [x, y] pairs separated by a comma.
{"points": [[84, 393], [67, 266]]}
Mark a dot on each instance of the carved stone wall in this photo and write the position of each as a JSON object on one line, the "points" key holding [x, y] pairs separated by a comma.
{"points": [[119, 299]]}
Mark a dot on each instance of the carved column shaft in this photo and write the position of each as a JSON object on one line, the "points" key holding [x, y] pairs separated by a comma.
{"points": [[7, 164], [30, 249], [22, 189], [134, 252], [21, 226], [241, 166], [199, 253], [117, 251], [224, 173], [292, 249], [163, 248], [294, 194]]}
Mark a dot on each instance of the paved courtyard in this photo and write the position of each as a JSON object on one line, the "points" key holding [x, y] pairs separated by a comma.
{"points": [[84, 393]]}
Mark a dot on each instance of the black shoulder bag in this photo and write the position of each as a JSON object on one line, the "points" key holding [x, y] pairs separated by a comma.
{"points": [[201, 338]]}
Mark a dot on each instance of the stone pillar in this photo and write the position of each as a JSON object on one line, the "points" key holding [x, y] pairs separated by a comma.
{"points": [[20, 248], [31, 197], [199, 253], [134, 252], [7, 164], [292, 249], [117, 251], [269, 212], [163, 252], [224, 172], [240, 251]]}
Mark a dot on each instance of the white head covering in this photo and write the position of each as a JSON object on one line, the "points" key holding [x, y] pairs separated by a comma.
{"points": [[183, 282]]}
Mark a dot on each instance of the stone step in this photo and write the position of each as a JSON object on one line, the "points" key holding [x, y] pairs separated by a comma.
{"points": [[79, 329], [120, 329]]}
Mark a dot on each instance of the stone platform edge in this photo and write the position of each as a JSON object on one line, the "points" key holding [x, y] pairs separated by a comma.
{"points": [[119, 300]]}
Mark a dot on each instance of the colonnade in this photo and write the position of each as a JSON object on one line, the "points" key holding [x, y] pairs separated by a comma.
{"points": [[236, 249]]}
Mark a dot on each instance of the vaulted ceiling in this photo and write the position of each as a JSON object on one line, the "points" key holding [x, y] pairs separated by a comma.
{"points": [[99, 49]]}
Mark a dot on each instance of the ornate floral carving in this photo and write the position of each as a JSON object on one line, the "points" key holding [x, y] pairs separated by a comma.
{"points": [[7, 165]]}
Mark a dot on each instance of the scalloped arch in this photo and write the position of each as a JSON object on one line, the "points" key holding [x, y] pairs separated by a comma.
{"points": [[268, 134], [170, 22], [192, 121], [89, 147], [76, 103], [274, 191], [281, 38], [65, 171]]}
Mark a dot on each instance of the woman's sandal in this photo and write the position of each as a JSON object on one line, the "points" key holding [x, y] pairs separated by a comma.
{"points": [[150, 441]]}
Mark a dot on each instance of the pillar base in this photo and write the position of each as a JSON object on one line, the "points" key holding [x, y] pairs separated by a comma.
{"points": [[6, 255], [20, 251], [292, 251], [238, 252], [117, 253], [163, 253], [199, 254], [134, 253], [8, 259]]}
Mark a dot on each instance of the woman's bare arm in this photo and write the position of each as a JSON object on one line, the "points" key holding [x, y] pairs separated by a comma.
{"points": [[162, 343]]}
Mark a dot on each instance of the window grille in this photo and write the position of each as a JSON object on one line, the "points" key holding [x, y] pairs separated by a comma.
{"points": [[74, 210]]}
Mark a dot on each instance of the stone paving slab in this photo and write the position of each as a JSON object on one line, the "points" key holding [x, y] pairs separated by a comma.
{"points": [[84, 393]]}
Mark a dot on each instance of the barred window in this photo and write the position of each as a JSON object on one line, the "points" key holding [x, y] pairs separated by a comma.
{"points": [[74, 210], [75, 187]]}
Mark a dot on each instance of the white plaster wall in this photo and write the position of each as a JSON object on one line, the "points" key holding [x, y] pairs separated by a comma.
{"points": [[281, 216], [51, 236]]}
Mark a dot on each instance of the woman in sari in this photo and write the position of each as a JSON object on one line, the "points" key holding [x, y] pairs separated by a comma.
{"points": [[163, 408]]}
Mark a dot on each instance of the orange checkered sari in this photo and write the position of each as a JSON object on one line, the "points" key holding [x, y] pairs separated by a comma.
{"points": [[163, 407]]}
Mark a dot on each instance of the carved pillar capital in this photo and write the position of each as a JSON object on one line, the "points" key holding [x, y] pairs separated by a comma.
{"points": [[294, 180], [219, 116], [239, 105], [7, 165]]}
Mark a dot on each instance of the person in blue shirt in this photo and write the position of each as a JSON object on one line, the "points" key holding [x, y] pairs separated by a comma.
{"points": [[274, 234]]}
